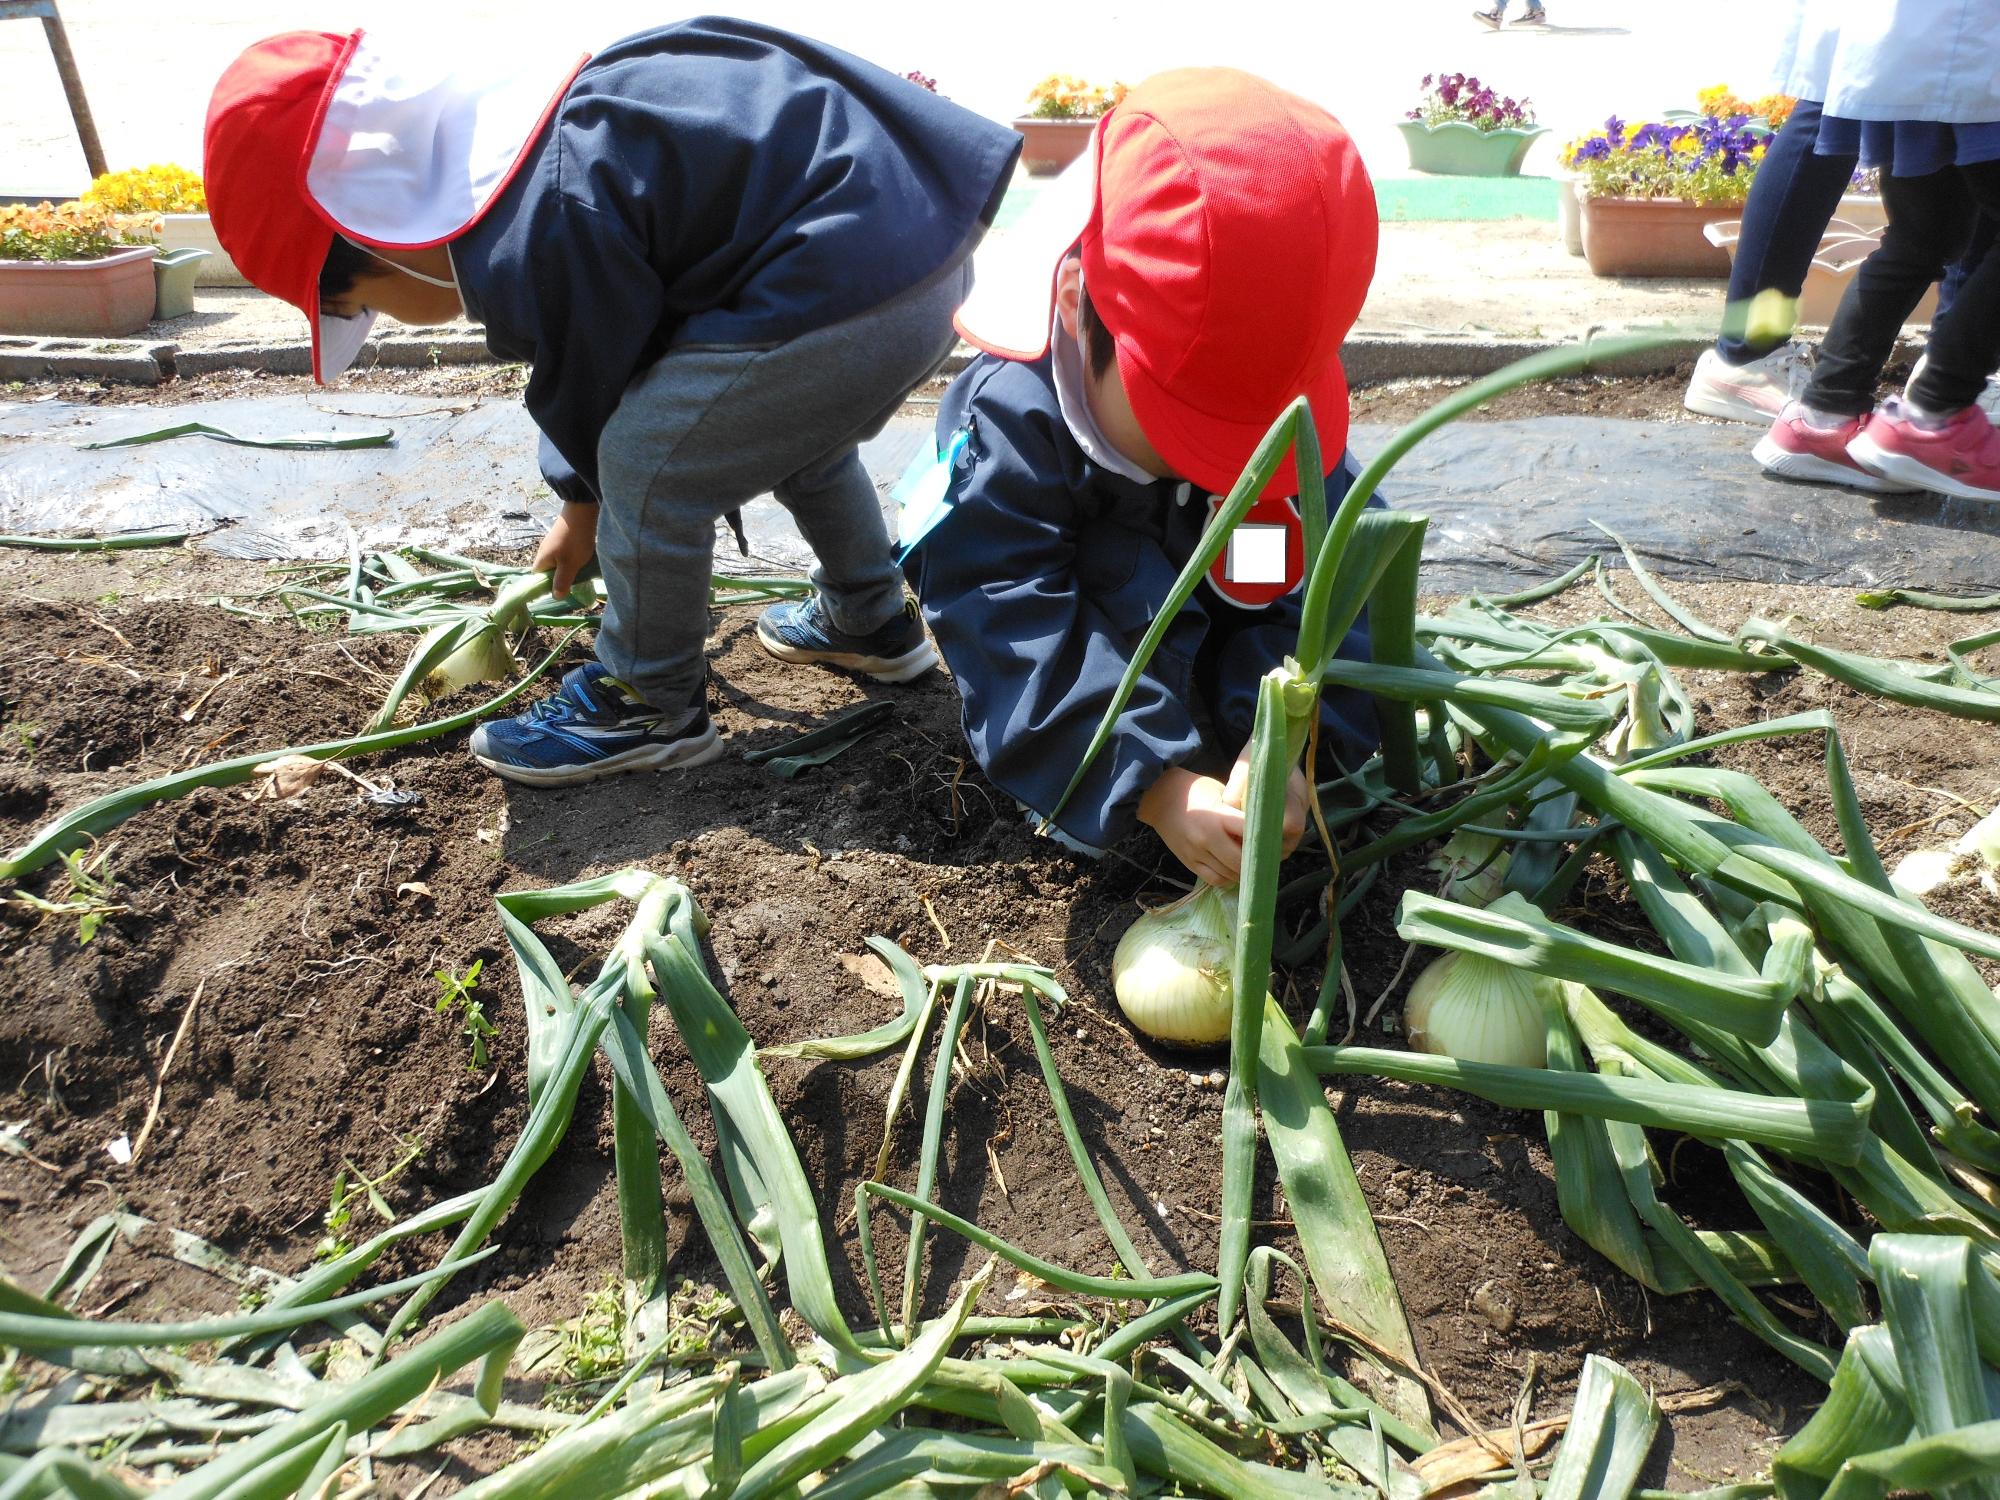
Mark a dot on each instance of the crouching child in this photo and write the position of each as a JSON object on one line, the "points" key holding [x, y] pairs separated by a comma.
{"points": [[1179, 287], [727, 252]]}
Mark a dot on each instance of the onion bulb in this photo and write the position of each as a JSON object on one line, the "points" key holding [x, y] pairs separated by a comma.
{"points": [[1171, 970], [1474, 866], [1977, 850], [1478, 1009], [484, 655]]}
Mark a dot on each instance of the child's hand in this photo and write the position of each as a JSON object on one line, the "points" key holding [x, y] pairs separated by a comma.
{"points": [[571, 542], [1201, 818], [1200, 825], [1236, 793]]}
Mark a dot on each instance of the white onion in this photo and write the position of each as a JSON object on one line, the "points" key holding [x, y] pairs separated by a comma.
{"points": [[1922, 871], [1974, 852], [484, 655], [1474, 866], [1171, 970], [1479, 1009]]}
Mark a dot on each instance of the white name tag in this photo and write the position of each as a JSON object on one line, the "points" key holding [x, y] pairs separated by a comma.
{"points": [[1257, 554]]}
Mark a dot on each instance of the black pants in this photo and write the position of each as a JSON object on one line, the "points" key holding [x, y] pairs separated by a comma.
{"points": [[1931, 224], [1792, 197]]}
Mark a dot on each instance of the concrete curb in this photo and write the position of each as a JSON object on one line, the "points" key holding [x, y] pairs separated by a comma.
{"points": [[1369, 358], [125, 361]]}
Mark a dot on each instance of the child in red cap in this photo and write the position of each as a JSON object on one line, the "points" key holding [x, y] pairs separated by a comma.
{"points": [[1180, 286], [728, 253]]}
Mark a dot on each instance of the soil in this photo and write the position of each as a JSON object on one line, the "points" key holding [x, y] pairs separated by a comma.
{"points": [[305, 934]]}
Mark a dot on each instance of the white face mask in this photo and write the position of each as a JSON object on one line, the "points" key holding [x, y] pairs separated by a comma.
{"points": [[451, 281], [445, 281]]}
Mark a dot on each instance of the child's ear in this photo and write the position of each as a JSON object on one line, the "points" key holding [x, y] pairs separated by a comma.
{"points": [[1069, 294]]}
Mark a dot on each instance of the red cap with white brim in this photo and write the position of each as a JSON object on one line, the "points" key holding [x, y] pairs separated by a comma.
{"points": [[395, 145], [1227, 231]]}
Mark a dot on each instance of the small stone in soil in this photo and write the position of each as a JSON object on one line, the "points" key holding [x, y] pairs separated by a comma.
{"points": [[1496, 1304]]}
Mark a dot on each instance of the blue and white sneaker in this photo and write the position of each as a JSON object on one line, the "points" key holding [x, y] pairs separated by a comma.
{"points": [[592, 726], [895, 652]]}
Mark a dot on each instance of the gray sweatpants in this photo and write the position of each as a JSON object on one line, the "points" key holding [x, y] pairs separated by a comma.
{"points": [[707, 429]]}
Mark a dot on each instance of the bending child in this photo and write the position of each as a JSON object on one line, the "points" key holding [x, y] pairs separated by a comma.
{"points": [[728, 254], [1178, 288]]}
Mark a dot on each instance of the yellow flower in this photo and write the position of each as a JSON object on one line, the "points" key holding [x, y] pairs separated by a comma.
{"points": [[161, 188]]}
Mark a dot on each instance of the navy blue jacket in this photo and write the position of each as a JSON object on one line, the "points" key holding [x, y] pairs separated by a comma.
{"points": [[722, 183], [1038, 585]]}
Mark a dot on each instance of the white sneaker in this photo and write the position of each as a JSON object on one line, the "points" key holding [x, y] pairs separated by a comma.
{"points": [[1753, 392]]}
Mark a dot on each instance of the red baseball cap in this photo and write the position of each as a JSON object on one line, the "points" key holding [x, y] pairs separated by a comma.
{"points": [[1227, 231], [398, 144]]}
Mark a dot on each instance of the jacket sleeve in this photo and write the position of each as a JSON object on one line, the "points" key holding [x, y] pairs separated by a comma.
{"points": [[593, 317], [1036, 657]]}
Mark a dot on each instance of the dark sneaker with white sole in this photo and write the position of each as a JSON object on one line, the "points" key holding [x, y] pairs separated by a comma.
{"points": [[895, 652], [592, 726]]}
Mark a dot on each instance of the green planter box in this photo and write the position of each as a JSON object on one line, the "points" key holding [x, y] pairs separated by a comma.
{"points": [[174, 276], [1456, 149]]}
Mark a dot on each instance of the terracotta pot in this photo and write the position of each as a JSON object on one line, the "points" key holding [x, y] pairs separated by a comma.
{"points": [[1052, 144], [1653, 237], [1456, 149], [106, 298], [195, 232]]}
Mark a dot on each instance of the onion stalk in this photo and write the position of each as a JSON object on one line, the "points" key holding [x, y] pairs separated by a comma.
{"points": [[1474, 866]]}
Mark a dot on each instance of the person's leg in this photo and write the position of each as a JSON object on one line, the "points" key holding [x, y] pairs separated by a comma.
{"points": [[1930, 219], [1984, 234], [1792, 198], [1746, 378], [832, 499], [1938, 436], [704, 431], [1965, 336]]}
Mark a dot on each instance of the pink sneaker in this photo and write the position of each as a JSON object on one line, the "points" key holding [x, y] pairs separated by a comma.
{"points": [[1961, 458], [1795, 449]]}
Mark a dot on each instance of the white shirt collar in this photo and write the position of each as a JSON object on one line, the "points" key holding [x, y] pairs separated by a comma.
{"points": [[1066, 359]]}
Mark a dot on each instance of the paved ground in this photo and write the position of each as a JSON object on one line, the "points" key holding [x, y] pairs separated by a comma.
{"points": [[149, 68]]}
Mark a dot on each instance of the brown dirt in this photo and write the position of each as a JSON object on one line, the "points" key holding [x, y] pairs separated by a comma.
{"points": [[316, 1039]]}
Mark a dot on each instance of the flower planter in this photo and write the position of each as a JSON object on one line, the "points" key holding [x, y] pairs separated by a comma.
{"points": [[1841, 250], [1456, 149], [195, 232], [1653, 237], [1052, 144], [174, 275], [105, 298]]}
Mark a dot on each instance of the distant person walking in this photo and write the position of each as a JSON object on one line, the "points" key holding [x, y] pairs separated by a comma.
{"points": [[1536, 16]]}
